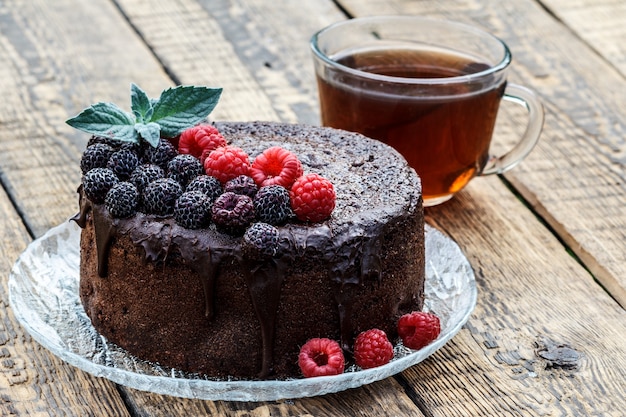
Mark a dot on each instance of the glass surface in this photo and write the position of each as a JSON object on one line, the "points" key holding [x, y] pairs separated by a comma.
{"points": [[43, 292]]}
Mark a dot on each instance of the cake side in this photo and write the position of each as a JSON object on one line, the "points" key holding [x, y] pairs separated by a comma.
{"points": [[189, 299]]}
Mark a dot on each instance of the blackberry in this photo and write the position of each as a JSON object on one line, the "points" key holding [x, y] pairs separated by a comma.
{"points": [[122, 200], [159, 197], [95, 156], [260, 241], [160, 155], [242, 184], [207, 184], [145, 174], [272, 205], [123, 163], [101, 139], [134, 147], [193, 210], [232, 213], [97, 182], [184, 168]]}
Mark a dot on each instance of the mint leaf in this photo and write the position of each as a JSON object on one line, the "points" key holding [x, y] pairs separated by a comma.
{"points": [[176, 110], [182, 107], [140, 104], [150, 132], [107, 120]]}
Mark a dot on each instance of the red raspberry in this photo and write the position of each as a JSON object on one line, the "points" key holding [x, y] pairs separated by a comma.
{"points": [[418, 329], [312, 198], [276, 166], [372, 349], [200, 140], [320, 357], [226, 163]]}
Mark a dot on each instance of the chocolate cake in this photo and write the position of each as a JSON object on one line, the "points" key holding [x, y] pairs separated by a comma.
{"points": [[191, 299]]}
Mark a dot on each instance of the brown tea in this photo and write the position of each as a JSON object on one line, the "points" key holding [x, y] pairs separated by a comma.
{"points": [[445, 135]]}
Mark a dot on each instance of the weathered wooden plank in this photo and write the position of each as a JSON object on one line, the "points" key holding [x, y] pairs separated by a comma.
{"points": [[42, 68], [543, 339], [278, 56], [483, 333], [383, 398], [600, 23], [576, 177], [191, 46]]}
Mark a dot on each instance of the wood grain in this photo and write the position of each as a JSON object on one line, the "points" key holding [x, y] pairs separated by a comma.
{"points": [[542, 340], [385, 397], [536, 306], [192, 48], [45, 76], [58, 59], [599, 23]]}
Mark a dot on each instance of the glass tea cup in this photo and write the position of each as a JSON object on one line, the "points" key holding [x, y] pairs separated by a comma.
{"points": [[429, 88]]}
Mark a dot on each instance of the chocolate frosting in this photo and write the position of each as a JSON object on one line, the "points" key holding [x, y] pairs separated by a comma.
{"points": [[368, 200]]}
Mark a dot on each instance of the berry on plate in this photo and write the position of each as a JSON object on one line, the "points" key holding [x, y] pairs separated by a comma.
{"points": [[226, 163], [199, 140], [312, 198], [321, 357], [276, 166], [418, 329], [372, 348]]}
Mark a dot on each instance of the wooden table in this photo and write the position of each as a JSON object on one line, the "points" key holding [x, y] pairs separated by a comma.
{"points": [[547, 240]]}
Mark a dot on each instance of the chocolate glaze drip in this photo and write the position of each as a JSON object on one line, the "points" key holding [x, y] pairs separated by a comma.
{"points": [[264, 280], [84, 205], [351, 267], [351, 252], [104, 229]]}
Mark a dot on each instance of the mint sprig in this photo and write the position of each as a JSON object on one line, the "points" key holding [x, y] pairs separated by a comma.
{"points": [[174, 111]]}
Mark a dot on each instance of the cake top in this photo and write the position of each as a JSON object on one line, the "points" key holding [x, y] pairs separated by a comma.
{"points": [[164, 160], [373, 182]]}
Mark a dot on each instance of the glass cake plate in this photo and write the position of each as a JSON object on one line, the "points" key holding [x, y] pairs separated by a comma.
{"points": [[43, 292]]}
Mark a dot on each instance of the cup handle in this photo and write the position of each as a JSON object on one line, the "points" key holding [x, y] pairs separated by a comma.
{"points": [[527, 98]]}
